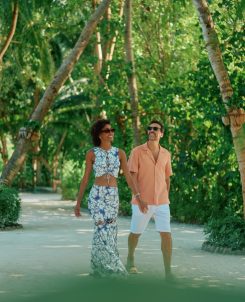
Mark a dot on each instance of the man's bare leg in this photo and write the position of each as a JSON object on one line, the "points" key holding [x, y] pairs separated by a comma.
{"points": [[166, 246], [132, 244]]}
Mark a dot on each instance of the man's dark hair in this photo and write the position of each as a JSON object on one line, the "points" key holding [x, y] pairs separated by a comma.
{"points": [[96, 130], [157, 122]]}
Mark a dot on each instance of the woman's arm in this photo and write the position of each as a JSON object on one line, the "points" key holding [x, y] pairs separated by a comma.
{"points": [[84, 181], [131, 181]]}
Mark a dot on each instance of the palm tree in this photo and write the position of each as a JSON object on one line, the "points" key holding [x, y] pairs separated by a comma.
{"points": [[235, 116]]}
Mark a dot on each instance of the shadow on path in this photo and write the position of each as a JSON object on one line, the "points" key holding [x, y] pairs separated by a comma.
{"points": [[48, 260]]}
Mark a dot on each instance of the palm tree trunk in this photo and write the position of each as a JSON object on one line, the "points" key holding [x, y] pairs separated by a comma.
{"points": [[235, 116], [131, 73], [11, 32], [24, 143]]}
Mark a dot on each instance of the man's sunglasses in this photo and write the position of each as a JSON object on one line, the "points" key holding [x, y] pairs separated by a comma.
{"points": [[108, 130], [149, 128]]}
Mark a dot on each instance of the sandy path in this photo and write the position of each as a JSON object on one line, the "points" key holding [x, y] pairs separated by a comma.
{"points": [[54, 245]]}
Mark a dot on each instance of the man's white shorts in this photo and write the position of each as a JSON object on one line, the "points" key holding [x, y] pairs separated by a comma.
{"points": [[161, 214]]}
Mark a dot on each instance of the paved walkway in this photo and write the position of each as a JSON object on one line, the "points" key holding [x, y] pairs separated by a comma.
{"points": [[52, 252]]}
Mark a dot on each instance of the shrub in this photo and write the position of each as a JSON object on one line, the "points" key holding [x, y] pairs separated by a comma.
{"points": [[9, 206], [226, 231]]}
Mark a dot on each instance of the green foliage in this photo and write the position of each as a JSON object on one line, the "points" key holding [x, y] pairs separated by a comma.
{"points": [[70, 181], [32, 125], [124, 197], [24, 178], [176, 85], [9, 206], [227, 230]]}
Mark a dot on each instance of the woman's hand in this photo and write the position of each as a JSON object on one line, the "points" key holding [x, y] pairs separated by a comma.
{"points": [[77, 211]]}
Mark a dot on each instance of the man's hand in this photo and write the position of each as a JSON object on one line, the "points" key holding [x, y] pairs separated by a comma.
{"points": [[77, 211], [143, 206]]}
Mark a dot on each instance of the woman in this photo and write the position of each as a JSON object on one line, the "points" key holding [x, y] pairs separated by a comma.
{"points": [[103, 201]]}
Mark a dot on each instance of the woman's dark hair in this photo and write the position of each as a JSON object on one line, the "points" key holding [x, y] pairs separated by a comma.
{"points": [[157, 122], [96, 130]]}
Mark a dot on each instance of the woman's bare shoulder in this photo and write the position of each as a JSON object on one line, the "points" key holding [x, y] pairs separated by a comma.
{"points": [[90, 154]]}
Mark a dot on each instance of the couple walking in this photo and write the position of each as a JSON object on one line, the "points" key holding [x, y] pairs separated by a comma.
{"points": [[147, 174]]}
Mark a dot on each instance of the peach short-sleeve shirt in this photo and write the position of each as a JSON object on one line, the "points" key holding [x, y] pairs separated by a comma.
{"points": [[151, 174]]}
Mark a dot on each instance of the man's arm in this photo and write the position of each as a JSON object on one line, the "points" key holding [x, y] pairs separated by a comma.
{"points": [[131, 179], [142, 204], [168, 184]]}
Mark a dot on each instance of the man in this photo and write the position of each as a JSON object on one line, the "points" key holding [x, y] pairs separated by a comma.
{"points": [[150, 167]]}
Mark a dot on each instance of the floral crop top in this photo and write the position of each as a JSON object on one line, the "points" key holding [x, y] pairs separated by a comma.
{"points": [[106, 162]]}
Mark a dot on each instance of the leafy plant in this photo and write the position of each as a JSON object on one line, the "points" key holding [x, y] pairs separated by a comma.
{"points": [[124, 197], [226, 231], [9, 206], [70, 181]]}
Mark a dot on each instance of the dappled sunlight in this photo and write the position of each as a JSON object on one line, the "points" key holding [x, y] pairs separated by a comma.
{"points": [[233, 273], [83, 275], [122, 234], [229, 284], [52, 236], [214, 281], [16, 275], [188, 232], [84, 231], [61, 246]]}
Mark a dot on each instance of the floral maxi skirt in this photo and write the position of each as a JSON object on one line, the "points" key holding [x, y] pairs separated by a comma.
{"points": [[103, 206]]}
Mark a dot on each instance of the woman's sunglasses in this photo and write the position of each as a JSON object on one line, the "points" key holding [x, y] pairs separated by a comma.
{"points": [[112, 130], [149, 128]]}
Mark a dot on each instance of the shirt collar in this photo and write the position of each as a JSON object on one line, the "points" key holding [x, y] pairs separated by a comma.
{"points": [[145, 147]]}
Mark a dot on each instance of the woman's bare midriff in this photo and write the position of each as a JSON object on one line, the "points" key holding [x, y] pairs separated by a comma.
{"points": [[104, 180]]}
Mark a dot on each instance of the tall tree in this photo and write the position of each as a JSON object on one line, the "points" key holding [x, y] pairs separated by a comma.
{"points": [[3, 139], [3, 149], [235, 116], [12, 30], [131, 72], [25, 139]]}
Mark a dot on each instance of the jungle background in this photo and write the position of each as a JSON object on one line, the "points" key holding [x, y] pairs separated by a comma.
{"points": [[175, 84]]}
